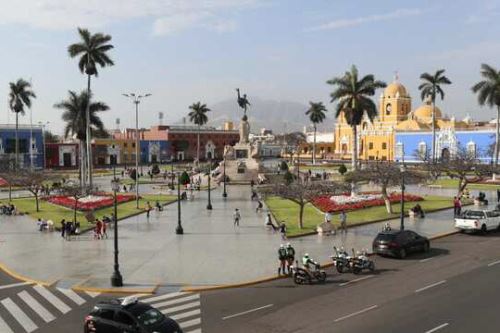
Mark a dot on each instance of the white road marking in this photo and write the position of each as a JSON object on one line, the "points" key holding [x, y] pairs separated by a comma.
{"points": [[72, 296], [190, 323], [248, 311], [356, 313], [21, 317], [430, 286], [186, 314], [92, 294], [37, 307], [437, 328], [427, 259], [162, 297], [180, 308], [356, 280], [493, 263], [4, 327], [7, 286], [52, 299], [176, 301]]}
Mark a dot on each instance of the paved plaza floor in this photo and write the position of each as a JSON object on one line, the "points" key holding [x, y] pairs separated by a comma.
{"points": [[211, 252]]}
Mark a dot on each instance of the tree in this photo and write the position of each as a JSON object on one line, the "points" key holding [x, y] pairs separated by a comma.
{"points": [[283, 166], [430, 88], [198, 116], [385, 174], [74, 114], [342, 169], [184, 180], [92, 50], [50, 137], [353, 102], [316, 113], [7, 167], [292, 142], [20, 96], [488, 93], [303, 193], [73, 190], [32, 181]]}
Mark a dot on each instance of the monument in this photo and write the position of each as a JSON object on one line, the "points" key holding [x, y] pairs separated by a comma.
{"points": [[242, 160]]}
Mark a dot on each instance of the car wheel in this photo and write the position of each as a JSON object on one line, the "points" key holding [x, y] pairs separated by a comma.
{"points": [[402, 254], [484, 229], [426, 247]]}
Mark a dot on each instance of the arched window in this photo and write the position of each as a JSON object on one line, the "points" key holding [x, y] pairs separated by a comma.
{"points": [[388, 109]]}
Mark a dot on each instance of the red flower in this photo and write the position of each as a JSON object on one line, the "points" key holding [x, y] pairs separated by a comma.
{"points": [[106, 201]]}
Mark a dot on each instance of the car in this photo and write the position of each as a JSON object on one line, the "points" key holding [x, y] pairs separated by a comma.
{"points": [[478, 220], [399, 243], [128, 315]]}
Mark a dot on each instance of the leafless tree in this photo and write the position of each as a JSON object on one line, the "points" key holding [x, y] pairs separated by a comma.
{"points": [[32, 181], [74, 190], [7, 164], [385, 175]]}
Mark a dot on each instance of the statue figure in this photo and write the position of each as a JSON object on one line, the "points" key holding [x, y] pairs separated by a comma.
{"points": [[243, 103]]}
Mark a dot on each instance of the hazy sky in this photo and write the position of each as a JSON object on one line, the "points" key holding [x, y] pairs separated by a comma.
{"points": [[183, 51]]}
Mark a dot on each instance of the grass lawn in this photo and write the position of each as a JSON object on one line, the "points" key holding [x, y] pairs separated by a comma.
{"points": [[453, 183], [288, 211], [57, 213]]}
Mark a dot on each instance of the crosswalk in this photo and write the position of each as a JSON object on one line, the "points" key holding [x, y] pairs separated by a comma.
{"points": [[35, 305], [183, 307]]}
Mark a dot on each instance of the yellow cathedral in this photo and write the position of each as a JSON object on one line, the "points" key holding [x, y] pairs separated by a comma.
{"points": [[376, 139]]}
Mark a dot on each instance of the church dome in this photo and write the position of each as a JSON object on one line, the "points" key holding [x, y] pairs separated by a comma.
{"points": [[424, 113], [394, 89]]}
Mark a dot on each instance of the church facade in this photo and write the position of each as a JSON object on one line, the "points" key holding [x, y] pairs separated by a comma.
{"points": [[399, 133]]}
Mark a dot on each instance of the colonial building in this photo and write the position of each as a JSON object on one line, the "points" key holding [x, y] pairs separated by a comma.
{"points": [[62, 155], [325, 146], [31, 144]]}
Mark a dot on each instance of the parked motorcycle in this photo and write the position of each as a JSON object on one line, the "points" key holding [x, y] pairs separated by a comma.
{"points": [[360, 262], [302, 275], [341, 260]]}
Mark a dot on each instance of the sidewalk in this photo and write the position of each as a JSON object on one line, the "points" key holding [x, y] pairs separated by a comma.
{"points": [[211, 251]]}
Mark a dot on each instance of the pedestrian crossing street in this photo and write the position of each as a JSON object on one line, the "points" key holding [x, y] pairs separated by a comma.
{"points": [[183, 307], [35, 305]]}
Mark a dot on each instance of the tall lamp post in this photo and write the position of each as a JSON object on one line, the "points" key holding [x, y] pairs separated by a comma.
{"points": [[172, 176], [116, 278], [209, 204], [179, 230], [136, 99], [403, 170], [224, 193]]}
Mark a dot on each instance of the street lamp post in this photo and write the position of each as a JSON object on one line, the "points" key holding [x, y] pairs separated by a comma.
{"points": [[209, 205], [403, 169], [136, 99], [116, 278], [172, 174], [224, 193], [179, 230]]}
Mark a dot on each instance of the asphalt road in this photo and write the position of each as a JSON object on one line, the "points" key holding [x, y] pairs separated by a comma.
{"points": [[454, 288]]}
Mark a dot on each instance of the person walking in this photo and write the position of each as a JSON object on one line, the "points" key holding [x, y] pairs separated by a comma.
{"points": [[290, 257], [103, 228], [282, 257], [98, 229], [343, 221], [63, 227], [282, 229], [459, 206], [236, 217], [269, 222], [328, 217], [259, 206], [148, 209], [455, 206]]}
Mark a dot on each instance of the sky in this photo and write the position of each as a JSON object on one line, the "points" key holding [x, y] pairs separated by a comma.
{"points": [[184, 51]]}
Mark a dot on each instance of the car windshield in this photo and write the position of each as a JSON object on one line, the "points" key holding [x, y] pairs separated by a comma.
{"points": [[385, 237], [149, 317], [475, 214]]}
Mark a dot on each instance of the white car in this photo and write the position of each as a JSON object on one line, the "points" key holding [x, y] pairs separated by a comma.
{"points": [[478, 220]]}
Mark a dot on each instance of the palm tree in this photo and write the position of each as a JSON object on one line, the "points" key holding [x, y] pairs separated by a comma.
{"points": [[198, 116], [92, 50], [430, 88], [316, 114], [74, 114], [20, 95], [488, 92], [354, 102]]}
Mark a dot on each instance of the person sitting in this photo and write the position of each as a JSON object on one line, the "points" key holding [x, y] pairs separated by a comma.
{"points": [[42, 224], [418, 211], [308, 263], [482, 198], [387, 227]]}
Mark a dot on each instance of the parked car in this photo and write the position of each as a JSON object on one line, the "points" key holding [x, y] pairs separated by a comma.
{"points": [[399, 243], [130, 316], [478, 220]]}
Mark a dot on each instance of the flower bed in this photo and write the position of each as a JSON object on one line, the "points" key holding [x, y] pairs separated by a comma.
{"points": [[3, 182], [91, 202], [346, 202]]}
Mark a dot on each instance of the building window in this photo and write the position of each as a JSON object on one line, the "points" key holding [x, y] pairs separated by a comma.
{"points": [[370, 145], [384, 145], [371, 158], [388, 109], [133, 144], [329, 149], [384, 158], [125, 145]]}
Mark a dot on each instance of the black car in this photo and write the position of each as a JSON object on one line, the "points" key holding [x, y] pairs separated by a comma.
{"points": [[128, 315], [399, 243]]}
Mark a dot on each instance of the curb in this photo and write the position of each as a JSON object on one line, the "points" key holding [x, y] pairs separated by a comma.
{"points": [[117, 290], [20, 277], [446, 234]]}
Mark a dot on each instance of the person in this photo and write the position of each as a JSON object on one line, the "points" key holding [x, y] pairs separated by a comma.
{"points": [[387, 227], [42, 224], [254, 195], [259, 206], [269, 221], [77, 228], [343, 220], [282, 258], [63, 227], [148, 209], [158, 206], [309, 263], [418, 211], [97, 230], [290, 256], [282, 229], [328, 217], [69, 228], [498, 195], [455, 206], [252, 183], [124, 188], [236, 217], [103, 228]]}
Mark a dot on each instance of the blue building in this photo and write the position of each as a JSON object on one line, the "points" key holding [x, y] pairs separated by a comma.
{"points": [[411, 146], [154, 151], [29, 149]]}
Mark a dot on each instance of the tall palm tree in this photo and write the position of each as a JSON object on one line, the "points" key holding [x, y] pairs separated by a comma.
{"points": [[430, 88], [198, 116], [92, 50], [75, 115], [316, 113], [20, 96], [353, 97]]}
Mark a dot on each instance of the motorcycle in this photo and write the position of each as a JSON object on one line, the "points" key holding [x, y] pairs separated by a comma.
{"points": [[361, 262], [341, 260], [302, 275]]}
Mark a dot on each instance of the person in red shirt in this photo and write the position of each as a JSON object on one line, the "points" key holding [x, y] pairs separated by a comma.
{"points": [[98, 229]]}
